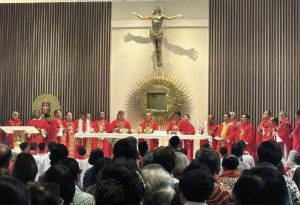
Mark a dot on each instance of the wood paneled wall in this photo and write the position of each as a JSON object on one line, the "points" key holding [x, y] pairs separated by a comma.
{"points": [[57, 48], [254, 62]]}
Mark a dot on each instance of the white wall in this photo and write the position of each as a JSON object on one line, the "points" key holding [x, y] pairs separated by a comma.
{"points": [[131, 55]]}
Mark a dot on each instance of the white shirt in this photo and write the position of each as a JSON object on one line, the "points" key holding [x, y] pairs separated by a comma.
{"points": [[248, 159], [83, 165]]}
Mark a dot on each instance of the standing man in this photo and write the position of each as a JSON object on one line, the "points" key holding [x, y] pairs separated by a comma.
{"points": [[148, 126], [103, 126], [188, 129], [14, 121], [175, 125], [226, 132], [69, 132], [41, 125], [296, 133], [56, 127], [245, 133], [212, 129], [284, 131], [263, 127], [120, 125]]}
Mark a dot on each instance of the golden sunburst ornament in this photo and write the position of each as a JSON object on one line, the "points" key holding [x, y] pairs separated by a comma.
{"points": [[162, 94]]}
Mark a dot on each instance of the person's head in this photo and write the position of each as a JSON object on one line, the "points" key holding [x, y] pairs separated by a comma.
{"points": [[232, 115], [119, 184], [82, 115], [270, 151], [282, 115], [158, 185], [44, 194], [96, 154], [73, 166], [245, 118], [33, 147], [206, 145], [297, 116], [81, 151], [186, 117], [260, 186], [230, 162], [99, 165], [197, 183], [57, 114], [177, 116], [61, 176], [24, 147], [210, 158], [266, 115], [274, 121], [143, 148], [223, 151], [237, 150], [89, 116], [69, 116], [51, 145], [15, 115], [157, 11], [148, 116], [36, 114], [181, 162], [42, 147], [297, 159], [174, 142], [211, 119], [58, 152], [13, 192], [120, 115], [226, 117], [101, 115], [126, 147], [5, 156], [241, 144], [25, 168], [165, 156]]}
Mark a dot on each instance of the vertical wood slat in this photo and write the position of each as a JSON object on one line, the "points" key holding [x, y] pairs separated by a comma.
{"points": [[57, 48], [254, 57]]}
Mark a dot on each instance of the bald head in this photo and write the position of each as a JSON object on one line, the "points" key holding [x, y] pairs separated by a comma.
{"points": [[5, 155], [211, 119]]}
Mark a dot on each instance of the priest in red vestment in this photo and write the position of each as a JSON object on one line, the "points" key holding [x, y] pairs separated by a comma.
{"points": [[284, 131], [233, 118], [296, 133], [56, 128], [69, 132], [212, 129], [120, 125], [226, 132], [270, 130], [244, 133], [41, 125], [14, 121], [187, 128], [263, 126], [148, 126], [103, 126], [175, 126]]}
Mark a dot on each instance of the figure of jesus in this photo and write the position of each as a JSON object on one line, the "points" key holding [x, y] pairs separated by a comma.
{"points": [[156, 31]]}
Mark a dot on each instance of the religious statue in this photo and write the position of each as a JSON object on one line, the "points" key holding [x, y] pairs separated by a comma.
{"points": [[156, 31]]}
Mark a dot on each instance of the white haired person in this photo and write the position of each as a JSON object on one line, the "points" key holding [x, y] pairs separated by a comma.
{"points": [[158, 185]]}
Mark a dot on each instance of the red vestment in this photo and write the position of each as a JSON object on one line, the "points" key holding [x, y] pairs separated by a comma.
{"points": [[40, 124], [245, 132], [296, 137], [268, 133], [10, 137], [174, 125], [212, 130], [116, 124], [147, 127], [103, 126], [55, 126], [265, 125], [228, 134], [188, 129], [284, 130], [69, 136]]}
